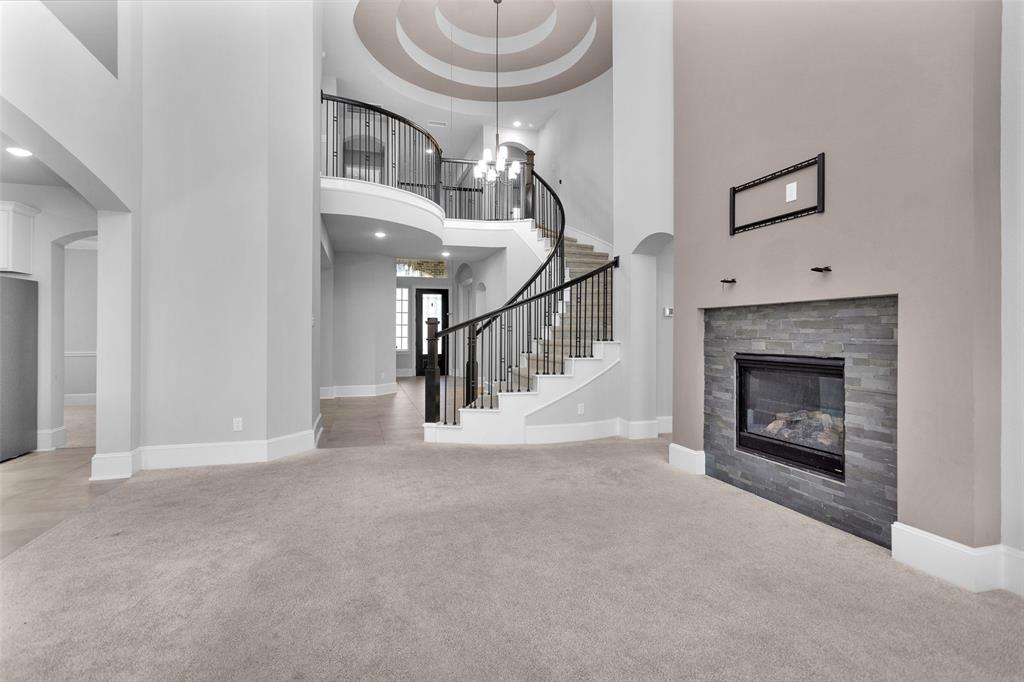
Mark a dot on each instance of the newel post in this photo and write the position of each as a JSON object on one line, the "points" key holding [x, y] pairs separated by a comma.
{"points": [[528, 184], [432, 403]]}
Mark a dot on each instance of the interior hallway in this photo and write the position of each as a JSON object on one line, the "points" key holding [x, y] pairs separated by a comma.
{"points": [[380, 420]]}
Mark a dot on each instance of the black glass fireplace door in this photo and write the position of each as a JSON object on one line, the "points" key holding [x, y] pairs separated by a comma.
{"points": [[792, 409]]}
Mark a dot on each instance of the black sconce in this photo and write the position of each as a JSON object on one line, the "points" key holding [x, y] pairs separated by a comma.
{"points": [[822, 268], [729, 280]]}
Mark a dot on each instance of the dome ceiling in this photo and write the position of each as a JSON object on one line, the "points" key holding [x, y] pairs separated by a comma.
{"points": [[447, 46]]}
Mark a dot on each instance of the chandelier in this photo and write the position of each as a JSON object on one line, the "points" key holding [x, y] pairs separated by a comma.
{"points": [[495, 164]]}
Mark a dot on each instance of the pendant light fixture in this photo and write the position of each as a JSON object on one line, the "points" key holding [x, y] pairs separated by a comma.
{"points": [[495, 164]]}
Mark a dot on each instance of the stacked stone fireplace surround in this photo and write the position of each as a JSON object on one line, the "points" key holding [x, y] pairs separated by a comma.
{"points": [[863, 332]]}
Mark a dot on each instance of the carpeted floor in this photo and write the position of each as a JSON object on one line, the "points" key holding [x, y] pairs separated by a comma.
{"points": [[580, 561]]}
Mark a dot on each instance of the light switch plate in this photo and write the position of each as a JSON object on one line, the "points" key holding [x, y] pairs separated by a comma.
{"points": [[669, 312], [790, 192]]}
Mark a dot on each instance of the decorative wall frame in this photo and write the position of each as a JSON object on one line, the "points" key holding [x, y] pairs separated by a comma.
{"points": [[818, 207]]}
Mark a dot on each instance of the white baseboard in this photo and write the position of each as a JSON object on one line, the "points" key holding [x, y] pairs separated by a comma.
{"points": [[405, 372], [665, 424], [318, 430], [79, 398], [690, 461], [564, 433], [977, 569], [364, 391], [638, 429], [51, 439], [108, 466], [326, 392]]}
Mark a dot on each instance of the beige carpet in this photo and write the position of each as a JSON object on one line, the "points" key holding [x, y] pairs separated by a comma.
{"points": [[583, 561]]}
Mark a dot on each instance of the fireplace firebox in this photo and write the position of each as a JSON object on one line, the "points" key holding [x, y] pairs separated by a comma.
{"points": [[792, 409]]}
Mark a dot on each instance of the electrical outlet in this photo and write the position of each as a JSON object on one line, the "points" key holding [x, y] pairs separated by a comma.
{"points": [[579, 408], [236, 423], [790, 192]]}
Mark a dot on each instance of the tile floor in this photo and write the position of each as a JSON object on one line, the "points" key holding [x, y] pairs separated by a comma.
{"points": [[381, 420], [41, 489]]}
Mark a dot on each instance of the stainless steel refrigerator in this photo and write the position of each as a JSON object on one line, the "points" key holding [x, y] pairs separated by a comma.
{"points": [[19, 368]]}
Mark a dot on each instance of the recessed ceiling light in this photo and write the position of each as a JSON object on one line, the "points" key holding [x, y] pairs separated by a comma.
{"points": [[445, 254], [379, 235], [18, 151], [531, 125], [517, 123]]}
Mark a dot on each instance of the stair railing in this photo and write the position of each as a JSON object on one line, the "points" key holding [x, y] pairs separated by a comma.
{"points": [[365, 142], [503, 350]]}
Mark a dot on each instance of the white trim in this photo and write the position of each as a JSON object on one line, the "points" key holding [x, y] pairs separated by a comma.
{"points": [[665, 424], [564, 433], [574, 389], [639, 429], [364, 391], [79, 353], [977, 569], [318, 430], [690, 461], [405, 371], [114, 465], [1012, 313], [50, 439], [326, 392], [227, 452], [587, 238], [108, 466], [79, 398]]}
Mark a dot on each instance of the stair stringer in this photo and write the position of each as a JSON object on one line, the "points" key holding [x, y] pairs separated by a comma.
{"points": [[508, 424]]}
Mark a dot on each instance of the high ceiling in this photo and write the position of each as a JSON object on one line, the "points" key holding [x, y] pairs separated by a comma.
{"points": [[433, 60], [448, 46]]}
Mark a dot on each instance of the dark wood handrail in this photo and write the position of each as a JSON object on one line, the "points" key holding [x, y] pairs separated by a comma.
{"points": [[382, 110], [543, 266], [613, 263]]}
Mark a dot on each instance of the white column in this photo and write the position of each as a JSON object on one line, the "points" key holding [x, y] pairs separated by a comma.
{"points": [[117, 347]]}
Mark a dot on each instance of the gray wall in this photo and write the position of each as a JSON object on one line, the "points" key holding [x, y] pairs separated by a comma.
{"points": [[574, 146], [226, 275], [364, 319], [79, 320], [904, 100]]}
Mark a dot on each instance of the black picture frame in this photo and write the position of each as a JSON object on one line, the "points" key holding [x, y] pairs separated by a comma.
{"points": [[818, 207]]}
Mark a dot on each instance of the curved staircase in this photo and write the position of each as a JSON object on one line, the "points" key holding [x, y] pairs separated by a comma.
{"points": [[491, 377]]}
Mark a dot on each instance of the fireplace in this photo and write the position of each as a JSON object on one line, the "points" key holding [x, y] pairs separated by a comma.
{"points": [[792, 409]]}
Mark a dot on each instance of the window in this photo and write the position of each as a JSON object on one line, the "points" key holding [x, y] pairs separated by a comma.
{"points": [[409, 267], [401, 318]]}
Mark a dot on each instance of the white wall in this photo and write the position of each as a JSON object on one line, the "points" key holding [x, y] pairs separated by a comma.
{"points": [[575, 146], [79, 320], [1013, 275], [46, 73], [364, 321]]}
